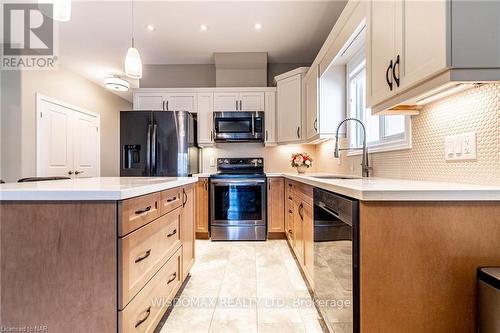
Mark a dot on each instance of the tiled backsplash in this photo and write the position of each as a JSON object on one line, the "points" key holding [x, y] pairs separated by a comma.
{"points": [[477, 109]]}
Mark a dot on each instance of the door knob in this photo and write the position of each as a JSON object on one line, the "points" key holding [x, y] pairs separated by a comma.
{"points": [[70, 172], [78, 172]]}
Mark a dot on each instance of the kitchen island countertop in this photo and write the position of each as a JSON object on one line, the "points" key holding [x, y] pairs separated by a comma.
{"points": [[90, 189]]}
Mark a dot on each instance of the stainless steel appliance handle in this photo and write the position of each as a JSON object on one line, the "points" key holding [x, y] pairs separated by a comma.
{"points": [[323, 206], [153, 150], [237, 182], [253, 124], [236, 104], [148, 149]]}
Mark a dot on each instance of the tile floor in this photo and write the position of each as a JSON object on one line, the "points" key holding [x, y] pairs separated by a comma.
{"points": [[244, 287]]}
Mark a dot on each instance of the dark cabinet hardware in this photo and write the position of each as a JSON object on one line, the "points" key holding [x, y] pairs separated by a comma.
{"points": [[144, 210], [298, 132], [78, 172], [174, 276], [316, 125], [185, 198], [236, 104], [163, 105], [301, 208], [290, 211], [70, 172], [144, 256], [396, 77], [172, 233], [387, 76], [267, 136], [167, 105], [140, 321], [172, 199]]}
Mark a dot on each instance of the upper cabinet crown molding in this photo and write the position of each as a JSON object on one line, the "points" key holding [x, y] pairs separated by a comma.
{"points": [[403, 66]]}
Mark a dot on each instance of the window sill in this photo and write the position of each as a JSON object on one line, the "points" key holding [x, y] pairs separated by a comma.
{"points": [[383, 147]]}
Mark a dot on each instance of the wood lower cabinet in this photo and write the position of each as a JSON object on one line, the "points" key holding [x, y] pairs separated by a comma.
{"points": [[202, 208], [300, 225], [275, 207], [95, 266], [187, 228]]}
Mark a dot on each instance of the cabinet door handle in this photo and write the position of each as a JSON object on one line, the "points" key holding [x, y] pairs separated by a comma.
{"points": [[167, 105], [236, 105], [211, 135], [241, 105], [206, 185], [396, 78], [140, 321], [144, 256], [163, 105], [185, 198], [267, 136], [387, 75], [290, 211], [144, 210], [298, 132], [172, 199], [174, 276], [172, 233], [316, 125], [301, 208]]}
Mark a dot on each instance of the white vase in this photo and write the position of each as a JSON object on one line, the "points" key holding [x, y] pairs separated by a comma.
{"points": [[301, 169]]}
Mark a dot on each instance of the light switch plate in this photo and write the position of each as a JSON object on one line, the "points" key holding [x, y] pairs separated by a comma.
{"points": [[460, 147], [212, 161]]}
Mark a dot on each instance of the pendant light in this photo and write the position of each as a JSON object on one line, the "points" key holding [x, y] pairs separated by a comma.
{"points": [[133, 63]]}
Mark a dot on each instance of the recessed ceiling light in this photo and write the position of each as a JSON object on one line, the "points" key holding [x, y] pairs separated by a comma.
{"points": [[116, 84], [258, 26], [203, 27], [150, 27]]}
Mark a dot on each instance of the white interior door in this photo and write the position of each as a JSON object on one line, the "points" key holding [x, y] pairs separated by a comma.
{"points": [[68, 140], [54, 140], [86, 144]]}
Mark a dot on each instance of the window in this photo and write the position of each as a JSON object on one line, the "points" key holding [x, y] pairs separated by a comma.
{"points": [[384, 133]]}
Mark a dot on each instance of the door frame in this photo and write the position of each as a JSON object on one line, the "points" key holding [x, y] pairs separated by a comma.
{"points": [[43, 98]]}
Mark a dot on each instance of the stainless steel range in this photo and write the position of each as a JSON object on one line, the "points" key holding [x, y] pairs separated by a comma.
{"points": [[238, 200]]}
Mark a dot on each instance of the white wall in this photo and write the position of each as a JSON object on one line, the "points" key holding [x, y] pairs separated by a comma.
{"points": [[19, 119]]}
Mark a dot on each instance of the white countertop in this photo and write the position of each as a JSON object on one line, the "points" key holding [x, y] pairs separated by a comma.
{"points": [[367, 189], [386, 189], [97, 188]]}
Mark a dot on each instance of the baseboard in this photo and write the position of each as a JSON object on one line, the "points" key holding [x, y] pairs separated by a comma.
{"points": [[276, 235]]}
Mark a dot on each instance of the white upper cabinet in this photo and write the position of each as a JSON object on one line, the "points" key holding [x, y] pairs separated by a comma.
{"points": [[421, 30], [417, 48], [180, 102], [312, 109], [239, 101], [205, 118], [226, 101], [380, 51], [290, 105], [149, 101], [270, 118], [162, 101], [251, 101]]}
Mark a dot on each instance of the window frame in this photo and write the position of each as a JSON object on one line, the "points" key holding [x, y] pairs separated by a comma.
{"points": [[354, 67]]}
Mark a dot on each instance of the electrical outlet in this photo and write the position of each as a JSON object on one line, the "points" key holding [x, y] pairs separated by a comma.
{"points": [[469, 146], [460, 147]]}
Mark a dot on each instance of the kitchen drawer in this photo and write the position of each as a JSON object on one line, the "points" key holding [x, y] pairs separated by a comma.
{"points": [[303, 192], [144, 251], [170, 200], [135, 212], [144, 312]]}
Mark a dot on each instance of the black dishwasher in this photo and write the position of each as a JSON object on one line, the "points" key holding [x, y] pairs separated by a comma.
{"points": [[336, 260]]}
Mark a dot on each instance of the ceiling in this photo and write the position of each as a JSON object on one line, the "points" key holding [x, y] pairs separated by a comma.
{"points": [[94, 42]]}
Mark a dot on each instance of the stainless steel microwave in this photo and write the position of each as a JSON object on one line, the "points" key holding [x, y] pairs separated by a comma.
{"points": [[239, 126]]}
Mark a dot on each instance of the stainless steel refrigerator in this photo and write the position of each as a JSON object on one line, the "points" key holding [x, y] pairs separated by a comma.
{"points": [[158, 144]]}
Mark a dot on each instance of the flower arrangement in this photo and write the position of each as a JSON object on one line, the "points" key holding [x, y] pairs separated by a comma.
{"points": [[301, 161]]}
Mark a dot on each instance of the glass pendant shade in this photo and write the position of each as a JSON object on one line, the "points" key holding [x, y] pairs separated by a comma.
{"points": [[133, 64]]}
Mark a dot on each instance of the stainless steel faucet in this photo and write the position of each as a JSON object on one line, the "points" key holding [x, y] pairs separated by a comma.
{"points": [[364, 162]]}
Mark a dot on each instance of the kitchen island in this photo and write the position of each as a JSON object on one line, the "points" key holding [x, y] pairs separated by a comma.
{"points": [[92, 254]]}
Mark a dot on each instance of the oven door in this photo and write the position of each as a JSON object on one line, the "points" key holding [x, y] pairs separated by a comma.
{"points": [[238, 202], [238, 126]]}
